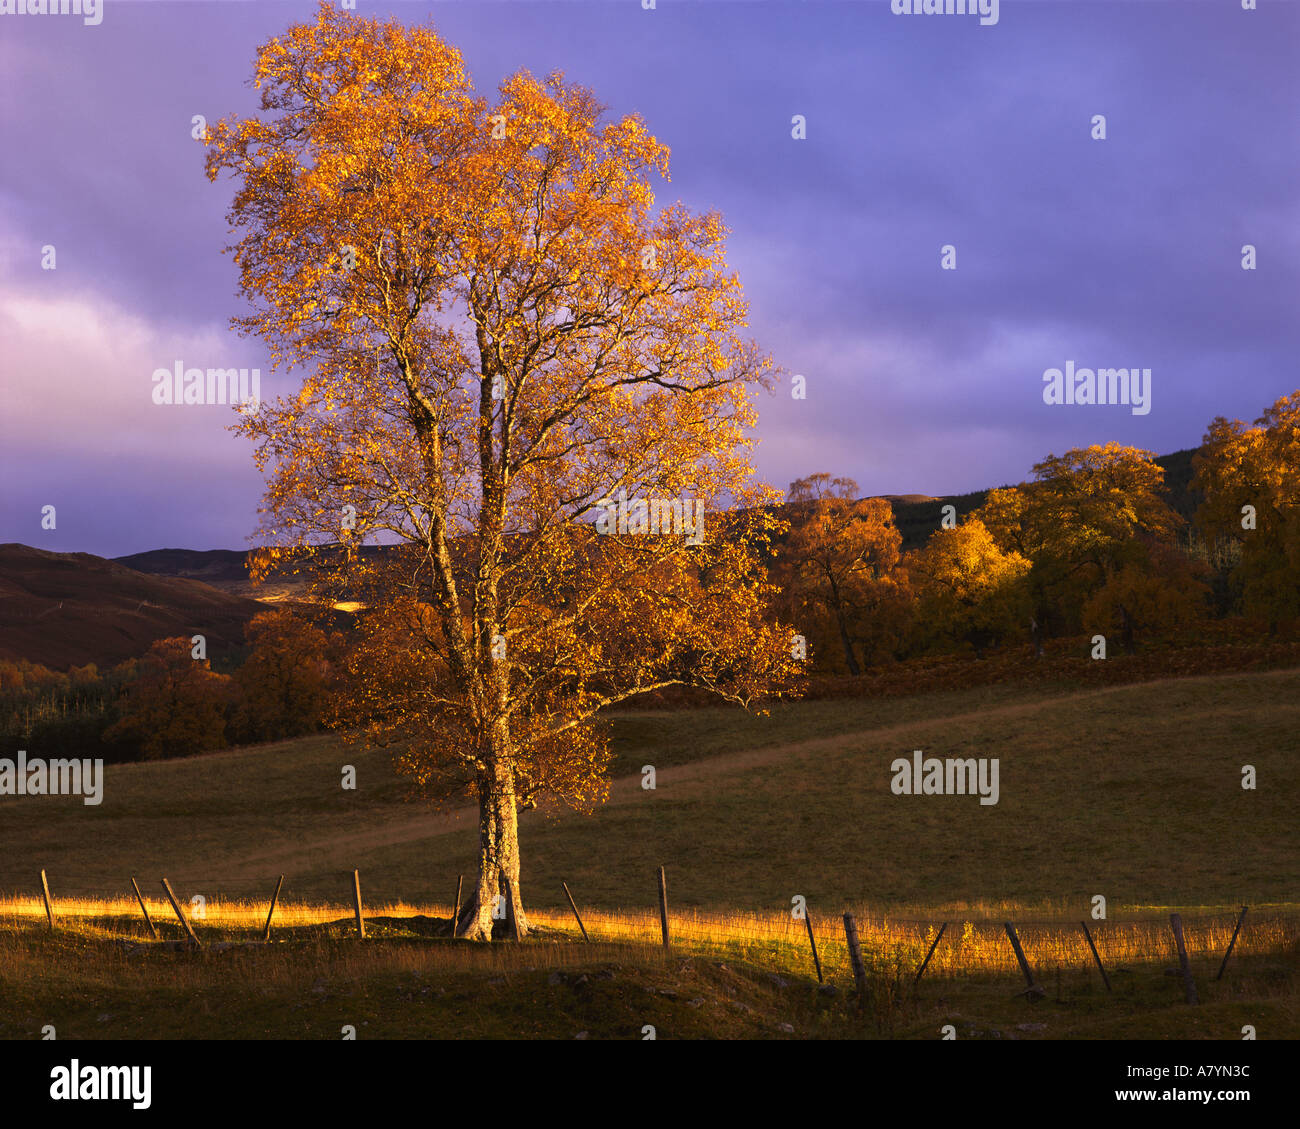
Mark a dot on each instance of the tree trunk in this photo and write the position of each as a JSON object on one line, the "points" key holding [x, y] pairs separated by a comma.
{"points": [[496, 896], [848, 645], [1129, 645], [1037, 633]]}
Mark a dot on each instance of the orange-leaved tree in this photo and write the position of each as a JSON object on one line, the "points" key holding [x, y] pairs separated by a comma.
{"points": [[1159, 594], [281, 687], [1250, 480], [840, 564], [176, 704], [526, 382]]}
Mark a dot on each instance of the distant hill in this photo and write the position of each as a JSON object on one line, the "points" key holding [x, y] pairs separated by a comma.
{"points": [[69, 609], [217, 567], [225, 569], [1178, 482]]}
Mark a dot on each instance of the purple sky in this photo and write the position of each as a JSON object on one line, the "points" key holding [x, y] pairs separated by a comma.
{"points": [[922, 131]]}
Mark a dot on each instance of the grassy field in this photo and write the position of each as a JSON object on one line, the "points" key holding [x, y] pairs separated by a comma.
{"points": [[99, 977], [1131, 792]]}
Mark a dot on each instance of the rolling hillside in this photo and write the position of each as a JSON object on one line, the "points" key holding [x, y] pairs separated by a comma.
{"points": [[1132, 791], [226, 569], [69, 609]]}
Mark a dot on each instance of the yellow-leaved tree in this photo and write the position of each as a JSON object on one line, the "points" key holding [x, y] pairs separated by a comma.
{"points": [[1088, 515], [1250, 479], [971, 590], [528, 383]]}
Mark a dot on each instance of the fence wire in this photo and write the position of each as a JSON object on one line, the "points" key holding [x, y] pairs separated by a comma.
{"points": [[968, 942]]}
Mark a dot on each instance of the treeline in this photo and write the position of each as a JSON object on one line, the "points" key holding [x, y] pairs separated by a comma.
{"points": [[169, 703], [1089, 546]]}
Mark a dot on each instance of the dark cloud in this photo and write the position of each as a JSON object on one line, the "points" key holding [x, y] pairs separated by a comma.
{"points": [[922, 131]]}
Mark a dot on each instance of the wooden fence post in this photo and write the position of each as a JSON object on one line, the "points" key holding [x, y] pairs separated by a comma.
{"points": [[926, 963], [45, 893], [356, 902], [817, 962], [266, 936], [140, 898], [183, 919], [1232, 942], [855, 957], [1104, 978], [663, 905], [574, 906], [1033, 992], [1176, 920], [455, 913]]}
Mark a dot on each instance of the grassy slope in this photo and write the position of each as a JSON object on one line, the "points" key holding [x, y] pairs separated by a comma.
{"points": [[1133, 792]]}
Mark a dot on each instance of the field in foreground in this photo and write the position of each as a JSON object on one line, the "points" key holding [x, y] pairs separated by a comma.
{"points": [[99, 976], [1133, 792]]}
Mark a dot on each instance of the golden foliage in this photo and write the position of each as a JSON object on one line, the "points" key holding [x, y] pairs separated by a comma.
{"points": [[501, 330], [1087, 514], [176, 705], [1256, 467], [281, 685], [841, 568], [970, 589]]}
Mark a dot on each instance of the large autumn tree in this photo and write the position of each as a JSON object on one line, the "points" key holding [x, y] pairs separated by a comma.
{"points": [[504, 339]]}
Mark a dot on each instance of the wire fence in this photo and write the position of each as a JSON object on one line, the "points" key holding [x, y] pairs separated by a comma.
{"points": [[966, 943]]}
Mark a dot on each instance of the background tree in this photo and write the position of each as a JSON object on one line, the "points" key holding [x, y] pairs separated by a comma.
{"points": [[280, 688], [1087, 514], [840, 564], [176, 705], [1162, 593], [970, 589], [502, 334], [1239, 466]]}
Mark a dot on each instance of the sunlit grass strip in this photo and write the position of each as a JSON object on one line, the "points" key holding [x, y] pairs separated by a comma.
{"points": [[967, 947], [218, 913]]}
